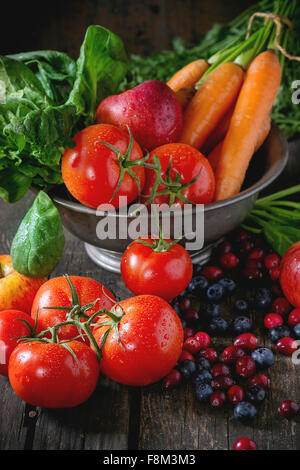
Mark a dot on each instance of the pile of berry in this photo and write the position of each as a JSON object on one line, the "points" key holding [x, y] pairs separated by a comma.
{"points": [[236, 377]]}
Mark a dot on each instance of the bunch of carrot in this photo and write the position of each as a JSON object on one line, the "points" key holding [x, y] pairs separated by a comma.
{"points": [[228, 117]]}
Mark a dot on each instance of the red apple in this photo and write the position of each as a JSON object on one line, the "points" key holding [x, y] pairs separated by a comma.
{"points": [[290, 274], [151, 110], [16, 291]]}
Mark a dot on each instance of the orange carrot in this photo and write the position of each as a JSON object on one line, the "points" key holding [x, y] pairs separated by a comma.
{"points": [[215, 154], [218, 133], [210, 104], [188, 76], [252, 109]]}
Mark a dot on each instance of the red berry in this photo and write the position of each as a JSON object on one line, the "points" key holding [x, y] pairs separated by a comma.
{"points": [[274, 273], [294, 317], [244, 443], [220, 369], [276, 289], [235, 394], [191, 315], [246, 341], [223, 382], [186, 355], [253, 264], [212, 273], [232, 353], [188, 332], [287, 346], [172, 380], [210, 354], [192, 345], [241, 235], [185, 304], [245, 366], [288, 409], [259, 379], [225, 247], [217, 399], [203, 338], [272, 261], [257, 254], [273, 319], [281, 306], [252, 274], [229, 260], [247, 245]]}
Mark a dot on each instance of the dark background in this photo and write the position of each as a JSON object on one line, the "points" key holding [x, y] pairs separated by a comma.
{"points": [[144, 25]]}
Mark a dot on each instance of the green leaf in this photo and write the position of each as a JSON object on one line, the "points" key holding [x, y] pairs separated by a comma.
{"points": [[281, 237], [39, 242], [13, 185]]}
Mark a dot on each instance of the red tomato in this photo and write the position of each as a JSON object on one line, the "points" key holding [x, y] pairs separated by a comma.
{"points": [[152, 336], [47, 374], [11, 328], [162, 273], [56, 293], [91, 170], [188, 162]]}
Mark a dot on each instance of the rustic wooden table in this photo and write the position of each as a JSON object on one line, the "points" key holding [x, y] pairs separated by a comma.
{"points": [[119, 417]]}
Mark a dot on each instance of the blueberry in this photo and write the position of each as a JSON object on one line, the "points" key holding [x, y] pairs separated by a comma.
{"points": [[256, 394], [218, 326], [203, 391], [263, 298], [241, 325], [278, 332], [241, 305], [187, 368], [228, 284], [204, 376], [244, 411], [263, 357], [204, 363], [296, 331], [210, 311], [215, 292], [197, 285]]}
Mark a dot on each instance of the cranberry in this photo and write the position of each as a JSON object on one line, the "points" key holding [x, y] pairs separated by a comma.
{"points": [[246, 246], [256, 254], [252, 274], [260, 379], [223, 382], [217, 399], [294, 317], [273, 319], [203, 338], [274, 273], [246, 341], [253, 264], [188, 332], [276, 289], [172, 380], [220, 369], [225, 247], [191, 315], [186, 355], [245, 366], [185, 304], [235, 394], [232, 353], [244, 443], [288, 409], [229, 260], [287, 346], [192, 345], [212, 273], [241, 235], [281, 306], [210, 354], [272, 261]]}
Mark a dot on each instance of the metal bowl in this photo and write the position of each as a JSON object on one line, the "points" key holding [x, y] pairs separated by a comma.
{"points": [[220, 218]]}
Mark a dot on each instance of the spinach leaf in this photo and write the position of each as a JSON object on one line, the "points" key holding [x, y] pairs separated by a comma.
{"points": [[281, 237], [39, 242]]}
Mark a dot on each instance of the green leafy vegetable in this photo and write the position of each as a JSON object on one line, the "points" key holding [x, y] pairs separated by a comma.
{"points": [[39, 242], [45, 98]]}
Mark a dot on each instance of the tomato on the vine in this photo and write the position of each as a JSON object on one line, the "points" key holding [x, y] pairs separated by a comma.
{"points": [[104, 157], [145, 342], [14, 324], [186, 174], [57, 293], [49, 375], [158, 267]]}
